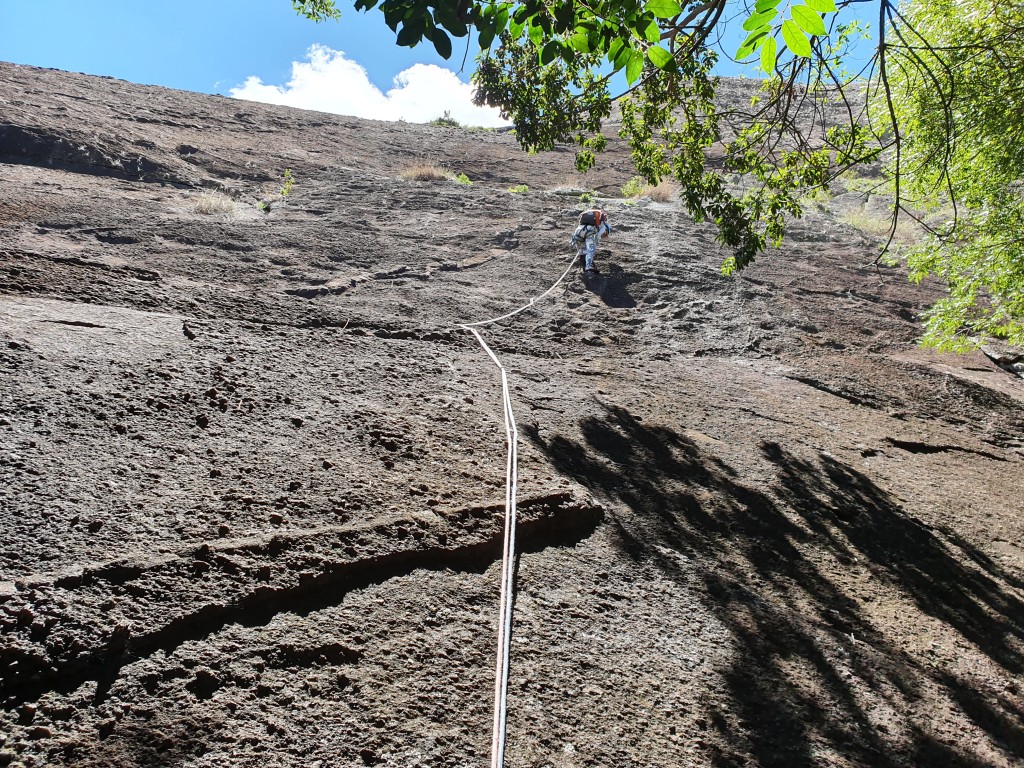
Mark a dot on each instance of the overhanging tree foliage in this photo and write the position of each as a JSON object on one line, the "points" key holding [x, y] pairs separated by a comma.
{"points": [[955, 112], [940, 103]]}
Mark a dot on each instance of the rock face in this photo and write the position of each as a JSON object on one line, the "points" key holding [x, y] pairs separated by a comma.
{"points": [[252, 471]]}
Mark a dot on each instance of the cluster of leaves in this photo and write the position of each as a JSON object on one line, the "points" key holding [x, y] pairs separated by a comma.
{"points": [[627, 33], [317, 10], [955, 107], [547, 104], [804, 23], [779, 148], [287, 182], [635, 187]]}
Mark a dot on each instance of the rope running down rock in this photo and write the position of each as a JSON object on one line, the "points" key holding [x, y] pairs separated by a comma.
{"points": [[509, 546]]}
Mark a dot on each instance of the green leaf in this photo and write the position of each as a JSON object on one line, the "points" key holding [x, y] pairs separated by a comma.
{"points": [[550, 51], [442, 43], [501, 21], [795, 39], [624, 56], [759, 20], [661, 58], [565, 15], [536, 35], [809, 21], [615, 50], [410, 35], [456, 28], [764, 5], [822, 6], [663, 9], [754, 41], [652, 33], [486, 38], [635, 67], [446, 16], [581, 42], [768, 51]]}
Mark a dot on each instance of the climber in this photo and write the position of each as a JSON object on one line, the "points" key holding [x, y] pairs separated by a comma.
{"points": [[592, 224]]}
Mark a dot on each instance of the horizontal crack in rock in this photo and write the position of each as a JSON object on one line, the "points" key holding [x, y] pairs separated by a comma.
{"points": [[916, 447], [856, 399], [248, 582]]}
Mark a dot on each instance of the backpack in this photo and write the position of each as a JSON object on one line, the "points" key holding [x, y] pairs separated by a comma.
{"points": [[592, 218]]}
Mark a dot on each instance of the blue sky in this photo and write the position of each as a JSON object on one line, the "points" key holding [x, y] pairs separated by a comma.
{"points": [[196, 45], [214, 46], [256, 49]]}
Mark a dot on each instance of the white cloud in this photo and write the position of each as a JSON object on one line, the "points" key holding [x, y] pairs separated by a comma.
{"points": [[329, 82]]}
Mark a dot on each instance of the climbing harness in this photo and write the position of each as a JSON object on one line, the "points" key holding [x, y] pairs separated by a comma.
{"points": [[509, 546]]}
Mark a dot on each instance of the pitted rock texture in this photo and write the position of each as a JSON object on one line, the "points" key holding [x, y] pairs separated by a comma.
{"points": [[252, 470]]}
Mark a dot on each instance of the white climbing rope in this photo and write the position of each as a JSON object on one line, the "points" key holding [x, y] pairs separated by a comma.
{"points": [[526, 306], [507, 562], [509, 547]]}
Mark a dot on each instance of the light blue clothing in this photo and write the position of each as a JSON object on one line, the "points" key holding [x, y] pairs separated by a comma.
{"points": [[585, 239]]}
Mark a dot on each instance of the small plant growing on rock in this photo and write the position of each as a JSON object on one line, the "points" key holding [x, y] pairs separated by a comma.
{"points": [[869, 225], [816, 197], [855, 182], [908, 232], [214, 203], [588, 197], [425, 170], [635, 187], [289, 183], [519, 189], [664, 191], [446, 120]]}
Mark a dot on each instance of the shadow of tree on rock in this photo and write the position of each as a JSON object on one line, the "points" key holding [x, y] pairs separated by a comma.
{"points": [[158, 738], [810, 664]]}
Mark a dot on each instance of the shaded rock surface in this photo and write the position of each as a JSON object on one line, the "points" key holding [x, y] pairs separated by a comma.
{"points": [[252, 472]]}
